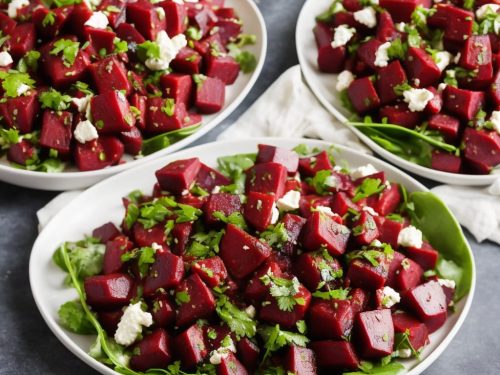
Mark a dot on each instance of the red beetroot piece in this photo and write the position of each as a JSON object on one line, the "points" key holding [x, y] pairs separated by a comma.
{"points": [[335, 354], [482, 149], [224, 203], [418, 334], [176, 15], [311, 165], [321, 230], [293, 225], [178, 87], [20, 112], [166, 272], [300, 361], [57, 131], [446, 125], [190, 346], [98, 154], [401, 10], [428, 302], [313, 268], [365, 230], [365, 275], [388, 230], [456, 22], [229, 365], [163, 311], [248, 353], [421, 68], [363, 95], [330, 60], [115, 248], [109, 291], [267, 178], [178, 176], [224, 68], [463, 103], [106, 232], [208, 178], [110, 74], [408, 275], [389, 76], [258, 210], [375, 333], [153, 351], [426, 256], [180, 237], [22, 152], [401, 115], [146, 19], [330, 319], [288, 158], [111, 112], [132, 140], [256, 290], [210, 94], [211, 270], [198, 301]]}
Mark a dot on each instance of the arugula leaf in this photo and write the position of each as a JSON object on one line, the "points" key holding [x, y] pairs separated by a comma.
{"points": [[14, 81], [275, 339], [236, 218], [237, 320], [339, 294], [72, 316], [368, 187], [275, 235], [69, 50], [284, 291], [53, 99]]}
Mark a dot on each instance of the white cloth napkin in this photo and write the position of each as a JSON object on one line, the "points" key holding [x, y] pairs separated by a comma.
{"points": [[289, 109]]}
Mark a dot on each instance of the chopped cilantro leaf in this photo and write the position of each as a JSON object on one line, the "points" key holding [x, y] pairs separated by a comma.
{"points": [[49, 19], [368, 187], [53, 99], [283, 290], [182, 297], [145, 257], [13, 83], [72, 316], [169, 107], [339, 294], [275, 339], [237, 320], [275, 235], [236, 218], [68, 48]]}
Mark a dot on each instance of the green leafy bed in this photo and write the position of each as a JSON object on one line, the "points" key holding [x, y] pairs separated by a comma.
{"points": [[85, 258]]}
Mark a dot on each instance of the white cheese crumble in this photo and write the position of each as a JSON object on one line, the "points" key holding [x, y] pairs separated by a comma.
{"points": [[250, 310], [343, 34], [410, 237], [442, 86], [486, 9], [290, 201], [363, 171], [376, 243], [92, 4], [331, 181], [495, 120], [161, 13], [5, 58], [404, 353], [217, 355], [85, 132], [216, 189], [367, 17], [130, 325], [97, 20], [275, 214], [14, 5], [169, 48], [370, 210], [390, 297], [82, 104], [456, 60], [417, 99], [156, 247], [344, 79], [22, 89], [381, 55], [443, 59], [447, 283], [400, 27], [325, 210]]}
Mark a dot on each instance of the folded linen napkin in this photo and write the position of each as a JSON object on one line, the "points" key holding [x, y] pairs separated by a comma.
{"points": [[289, 109]]}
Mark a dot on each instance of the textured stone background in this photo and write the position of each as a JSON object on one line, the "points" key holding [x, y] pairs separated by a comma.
{"points": [[28, 347]]}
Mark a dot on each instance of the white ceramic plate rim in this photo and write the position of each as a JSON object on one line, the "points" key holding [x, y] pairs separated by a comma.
{"points": [[304, 37], [45, 245], [76, 179]]}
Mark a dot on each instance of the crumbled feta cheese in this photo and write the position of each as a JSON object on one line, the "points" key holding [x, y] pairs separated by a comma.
{"points": [[416, 81], [390, 297], [443, 59], [246, 247], [289, 201], [22, 89], [417, 99], [447, 283], [250, 310], [363, 171], [325, 210], [131, 322], [457, 59], [343, 34], [400, 27], [97, 20], [169, 48], [381, 56], [405, 353], [442, 86], [156, 247], [14, 5], [85, 132], [275, 214], [297, 177], [495, 120], [82, 104], [337, 168], [410, 237], [92, 4], [216, 190], [217, 355], [331, 181], [376, 243], [344, 79], [486, 9], [367, 17], [370, 210], [161, 13], [5, 58]]}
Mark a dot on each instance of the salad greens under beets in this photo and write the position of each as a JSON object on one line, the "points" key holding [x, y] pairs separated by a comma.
{"points": [[420, 77], [86, 82], [278, 262]]}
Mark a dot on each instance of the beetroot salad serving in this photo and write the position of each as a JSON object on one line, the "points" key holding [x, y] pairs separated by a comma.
{"points": [[421, 78], [280, 262], [86, 82]]}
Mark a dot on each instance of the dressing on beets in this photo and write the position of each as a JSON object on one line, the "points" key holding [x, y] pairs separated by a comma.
{"points": [[277, 262], [428, 67], [86, 82]]}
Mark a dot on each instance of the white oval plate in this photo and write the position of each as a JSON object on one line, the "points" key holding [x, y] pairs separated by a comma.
{"points": [[73, 179], [102, 203], [323, 86]]}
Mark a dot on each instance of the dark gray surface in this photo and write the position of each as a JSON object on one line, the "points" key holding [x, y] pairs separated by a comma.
{"points": [[28, 347]]}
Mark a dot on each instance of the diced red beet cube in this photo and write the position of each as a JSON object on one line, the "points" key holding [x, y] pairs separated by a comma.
{"points": [[153, 351], [179, 175], [300, 361], [394, 267], [330, 319], [180, 236], [109, 320], [190, 346], [270, 311], [363, 274], [321, 230], [388, 230], [418, 334], [456, 22], [176, 15], [436, 103], [255, 289], [425, 256], [323, 34], [229, 365], [363, 95], [482, 149], [57, 131], [483, 76], [248, 352], [210, 95], [200, 304], [98, 154], [267, 178], [293, 225], [146, 237], [187, 61], [335, 354], [224, 203], [139, 102], [211, 270], [118, 15], [132, 141], [375, 333], [21, 152], [385, 27], [178, 87], [421, 68], [224, 68], [311, 165], [228, 29], [401, 10], [215, 334], [476, 52], [106, 232], [366, 229], [443, 161], [101, 42], [20, 112], [166, 272], [428, 302], [258, 210], [241, 252], [388, 200], [110, 74], [146, 19], [367, 50], [313, 268], [359, 300], [289, 159], [80, 14], [208, 178], [22, 39], [129, 33], [494, 90], [341, 204], [445, 124], [111, 112], [389, 76], [164, 115], [307, 203], [51, 29], [163, 311], [400, 114], [109, 291], [7, 24], [115, 248], [408, 275], [330, 60]]}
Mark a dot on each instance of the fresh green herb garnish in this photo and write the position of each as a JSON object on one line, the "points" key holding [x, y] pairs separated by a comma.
{"points": [[368, 187], [284, 291], [69, 50], [14, 82], [29, 62], [236, 218], [237, 320], [53, 99], [72, 316], [338, 294], [275, 235], [145, 256], [276, 338], [169, 107]]}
